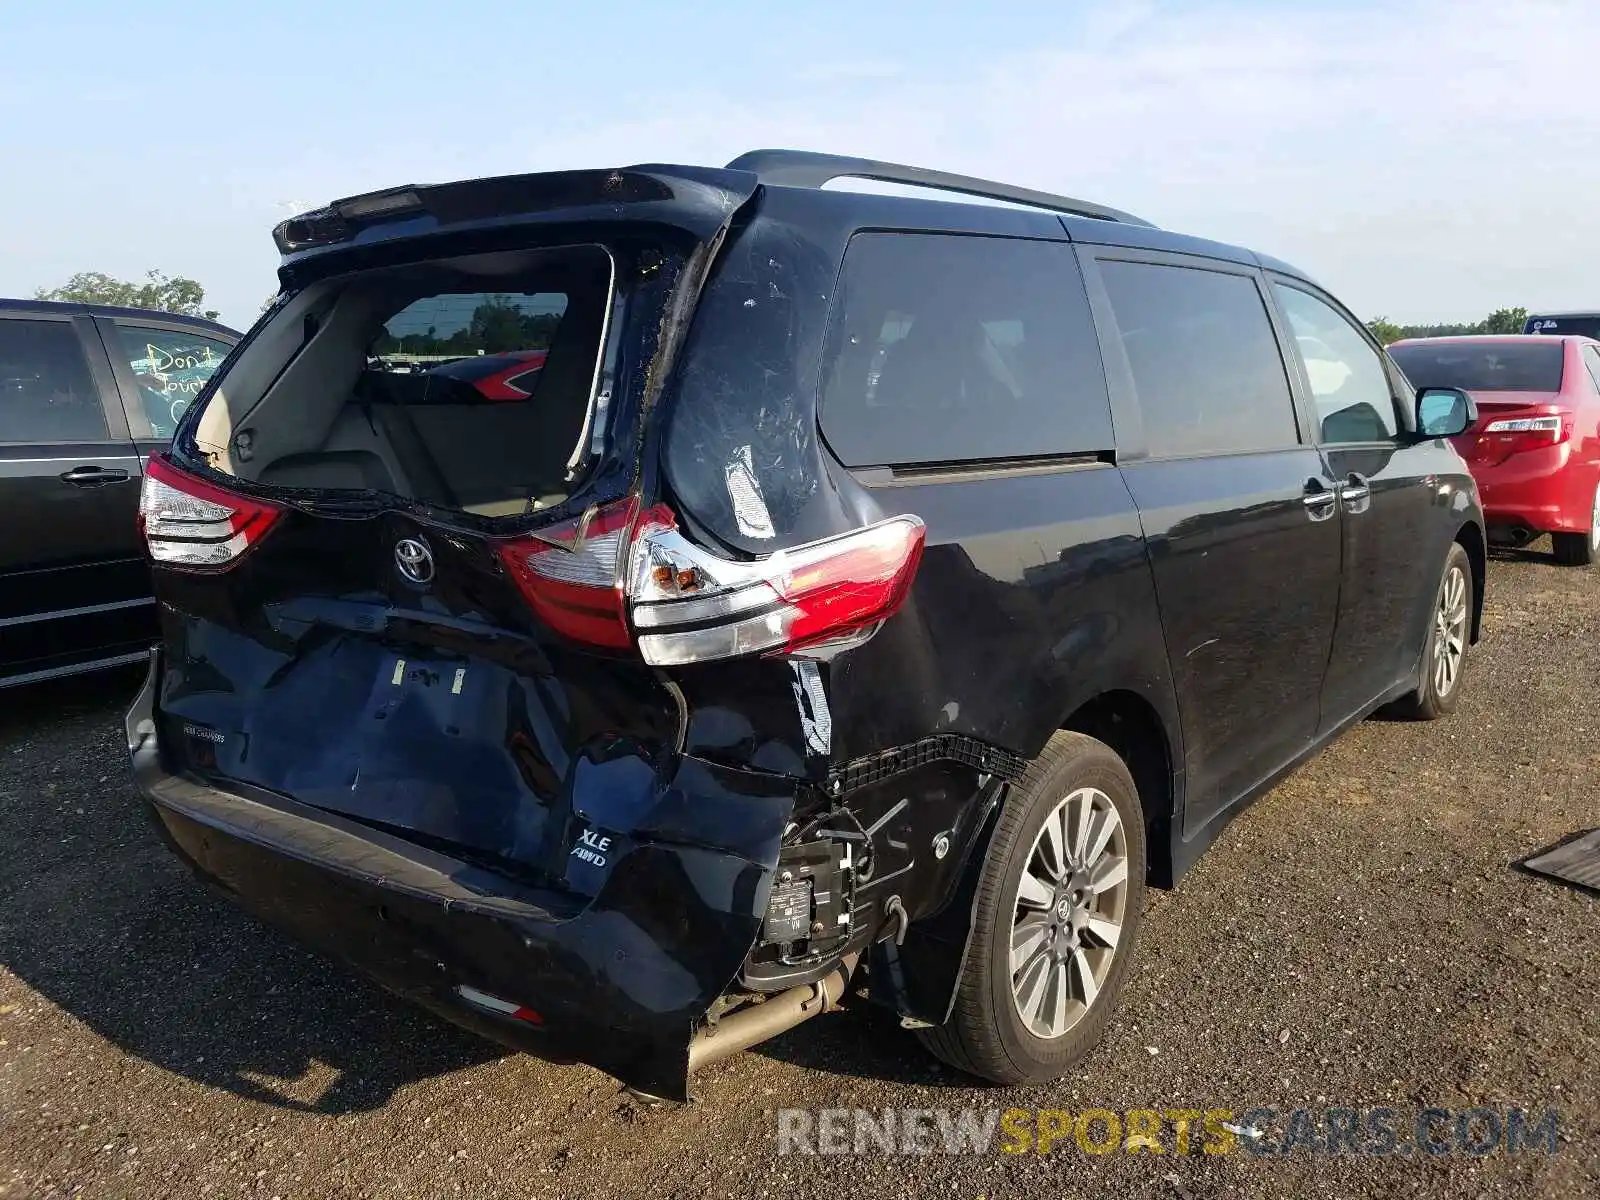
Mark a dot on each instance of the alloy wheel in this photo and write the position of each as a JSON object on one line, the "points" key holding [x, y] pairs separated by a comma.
{"points": [[1069, 911], [1450, 631]]}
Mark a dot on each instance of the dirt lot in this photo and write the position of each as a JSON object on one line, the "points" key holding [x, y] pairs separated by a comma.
{"points": [[1358, 938]]}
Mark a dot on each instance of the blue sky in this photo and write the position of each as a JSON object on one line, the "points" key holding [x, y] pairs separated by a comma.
{"points": [[1425, 159]]}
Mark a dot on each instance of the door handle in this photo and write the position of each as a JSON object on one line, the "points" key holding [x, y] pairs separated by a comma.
{"points": [[1355, 493], [94, 476], [1319, 499]]}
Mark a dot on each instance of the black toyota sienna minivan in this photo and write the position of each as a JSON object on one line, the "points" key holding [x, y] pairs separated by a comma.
{"points": [[624, 610]]}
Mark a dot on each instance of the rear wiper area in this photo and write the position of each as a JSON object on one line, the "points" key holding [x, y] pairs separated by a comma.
{"points": [[366, 502]]}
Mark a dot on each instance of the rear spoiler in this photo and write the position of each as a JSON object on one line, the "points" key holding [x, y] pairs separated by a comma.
{"points": [[698, 200]]}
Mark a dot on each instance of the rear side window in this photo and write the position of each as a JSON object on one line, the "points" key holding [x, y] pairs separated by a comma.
{"points": [[452, 326], [1205, 361], [46, 392], [947, 348], [1483, 366], [169, 368], [494, 343]]}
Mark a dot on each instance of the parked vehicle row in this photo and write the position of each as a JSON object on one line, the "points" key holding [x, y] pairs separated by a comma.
{"points": [[864, 584], [86, 392]]}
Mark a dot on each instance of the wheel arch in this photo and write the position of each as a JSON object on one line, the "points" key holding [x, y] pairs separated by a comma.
{"points": [[1470, 537], [1129, 724], [919, 978]]}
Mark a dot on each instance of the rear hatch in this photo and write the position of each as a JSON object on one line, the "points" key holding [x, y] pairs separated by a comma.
{"points": [[396, 588], [387, 539]]}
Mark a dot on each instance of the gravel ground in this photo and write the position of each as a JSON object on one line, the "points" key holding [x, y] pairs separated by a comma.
{"points": [[1358, 938]]}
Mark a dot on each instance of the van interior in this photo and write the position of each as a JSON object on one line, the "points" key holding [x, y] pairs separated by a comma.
{"points": [[467, 383]]}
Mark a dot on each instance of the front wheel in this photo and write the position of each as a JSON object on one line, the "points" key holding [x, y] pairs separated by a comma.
{"points": [[1444, 657], [1059, 901]]}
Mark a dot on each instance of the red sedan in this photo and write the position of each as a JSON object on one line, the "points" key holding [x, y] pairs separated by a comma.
{"points": [[508, 376], [1535, 448]]}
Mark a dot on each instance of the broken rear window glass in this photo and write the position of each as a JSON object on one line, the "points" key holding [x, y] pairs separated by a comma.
{"points": [[463, 383]]}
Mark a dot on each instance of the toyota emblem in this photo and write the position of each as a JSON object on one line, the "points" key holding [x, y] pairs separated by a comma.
{"points": [[414, 559]]}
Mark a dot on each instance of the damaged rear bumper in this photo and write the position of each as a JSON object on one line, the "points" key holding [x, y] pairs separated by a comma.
{"points": [[621, 982]]}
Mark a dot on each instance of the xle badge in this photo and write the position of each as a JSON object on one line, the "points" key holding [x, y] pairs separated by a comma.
{"points": [[591, 848]]}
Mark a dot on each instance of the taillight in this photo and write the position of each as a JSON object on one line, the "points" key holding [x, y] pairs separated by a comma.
{"points": [[629, 577], [1515, 434], [571, 574], [691, 606], [190, 523]]}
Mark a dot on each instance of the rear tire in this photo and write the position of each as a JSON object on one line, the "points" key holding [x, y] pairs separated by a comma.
{"points": [[1072, 926], [1444, 654], [1579, 549], [1573, 549]]}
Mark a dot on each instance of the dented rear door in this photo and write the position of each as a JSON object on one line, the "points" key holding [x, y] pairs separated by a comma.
{"points": [[374, 658]]}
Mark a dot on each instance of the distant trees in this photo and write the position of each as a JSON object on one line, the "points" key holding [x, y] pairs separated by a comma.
{"points": [[497, 325], [1505, 320], [1501, 320], [1387, 331], [173, 294]]}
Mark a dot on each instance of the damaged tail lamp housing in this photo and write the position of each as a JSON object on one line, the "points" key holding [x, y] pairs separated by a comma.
{"points": [[622, 576], [691, 606]]}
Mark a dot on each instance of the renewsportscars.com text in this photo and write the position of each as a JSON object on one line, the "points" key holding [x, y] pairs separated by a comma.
{"points": [[1264, 1131]]}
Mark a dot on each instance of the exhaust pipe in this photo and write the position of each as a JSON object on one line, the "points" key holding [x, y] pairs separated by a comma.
{"points": [[750, 1026], [1515, 536]]}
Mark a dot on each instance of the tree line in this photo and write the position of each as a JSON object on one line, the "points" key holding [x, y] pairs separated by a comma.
{"points": [[1501, 320], [158, 292], [497, 325]]}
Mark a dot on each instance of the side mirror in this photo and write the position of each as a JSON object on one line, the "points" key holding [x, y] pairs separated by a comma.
{"points": [[1444, 412]]}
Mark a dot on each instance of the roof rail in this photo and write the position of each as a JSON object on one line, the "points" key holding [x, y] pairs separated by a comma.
{"points": [[803, 168]]}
